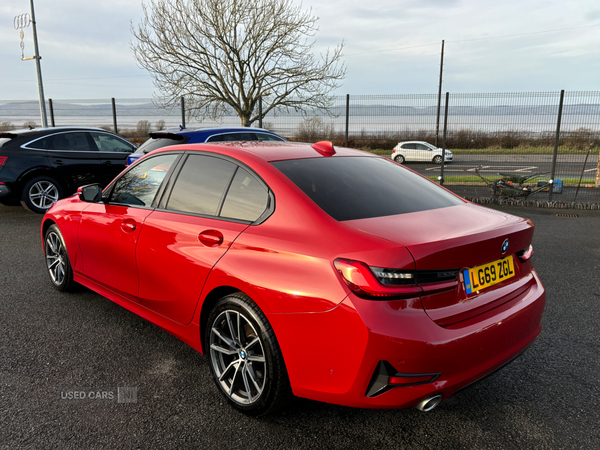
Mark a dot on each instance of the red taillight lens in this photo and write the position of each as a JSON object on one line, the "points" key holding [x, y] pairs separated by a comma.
{"points": [[525, 254], [363, 283], [3, 160]]}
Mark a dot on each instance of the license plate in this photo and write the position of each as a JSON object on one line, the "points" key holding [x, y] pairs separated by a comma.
{"points": [[487, 275]]}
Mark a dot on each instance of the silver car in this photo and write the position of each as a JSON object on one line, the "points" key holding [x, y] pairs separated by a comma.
{"points": [[419, 151]]}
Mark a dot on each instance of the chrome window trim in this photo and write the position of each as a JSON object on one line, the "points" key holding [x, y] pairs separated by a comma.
{"points": [[83, 130]]}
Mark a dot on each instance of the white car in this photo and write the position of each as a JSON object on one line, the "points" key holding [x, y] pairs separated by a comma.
{"points": [[419, 151]]}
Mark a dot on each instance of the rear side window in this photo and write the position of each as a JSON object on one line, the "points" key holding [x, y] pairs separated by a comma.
{"points": [[201, 185], [268, 137], [246, 198], [232, 137], [409, 146], [349, 188]]}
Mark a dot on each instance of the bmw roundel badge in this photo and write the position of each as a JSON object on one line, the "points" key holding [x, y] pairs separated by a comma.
{"points": [[505, 246]]}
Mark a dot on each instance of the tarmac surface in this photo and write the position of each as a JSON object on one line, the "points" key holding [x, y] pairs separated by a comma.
{"points": [[53, 344]]}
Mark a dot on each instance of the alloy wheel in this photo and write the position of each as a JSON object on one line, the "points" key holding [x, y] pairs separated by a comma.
{"points": [[238, 357], [43, 194], [55, 258]]}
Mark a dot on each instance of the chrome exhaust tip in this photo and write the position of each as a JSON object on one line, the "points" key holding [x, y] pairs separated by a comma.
{"points": [[429, 403]]}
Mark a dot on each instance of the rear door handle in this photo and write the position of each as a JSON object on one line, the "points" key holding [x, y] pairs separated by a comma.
{"points": [[128, 225], [58, 162], [211, 238]]}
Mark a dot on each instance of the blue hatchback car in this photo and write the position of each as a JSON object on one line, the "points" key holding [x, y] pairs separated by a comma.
{"points": [[174, 136]]}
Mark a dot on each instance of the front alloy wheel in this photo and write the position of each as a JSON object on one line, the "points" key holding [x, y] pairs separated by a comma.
{"points": [[245, 359], [437, 159], [57, 260]]}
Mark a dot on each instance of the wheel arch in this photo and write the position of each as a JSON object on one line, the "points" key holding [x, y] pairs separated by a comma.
{"points": [[38, 172], [208, 304]]}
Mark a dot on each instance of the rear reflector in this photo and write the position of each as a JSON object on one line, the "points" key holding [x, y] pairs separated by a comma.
{"points": [[386, 377]]}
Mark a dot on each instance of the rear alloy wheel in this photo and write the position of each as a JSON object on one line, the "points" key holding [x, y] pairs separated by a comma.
{"points": [[245, 358], [57, 260], [399, 159], [40, 193], [437, 159]]}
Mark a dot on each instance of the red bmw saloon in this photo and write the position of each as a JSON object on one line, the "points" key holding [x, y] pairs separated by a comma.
{"points": [[311, 271]]}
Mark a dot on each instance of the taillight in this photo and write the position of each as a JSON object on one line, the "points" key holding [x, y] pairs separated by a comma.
{"points": [[387, 284], [3, 160], [525, 254], [361, 280]]}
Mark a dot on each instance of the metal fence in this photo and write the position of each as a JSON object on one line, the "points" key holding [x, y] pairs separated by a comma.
{"points": [[505, 145]]}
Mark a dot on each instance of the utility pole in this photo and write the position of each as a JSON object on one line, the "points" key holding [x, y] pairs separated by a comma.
{"points": [[20, 22], [437, 121]]}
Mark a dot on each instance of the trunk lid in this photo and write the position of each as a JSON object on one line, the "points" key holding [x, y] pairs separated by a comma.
{"points": [[458, 238]]}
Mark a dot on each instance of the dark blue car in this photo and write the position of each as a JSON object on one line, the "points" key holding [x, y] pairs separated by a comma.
{"points": [[176, 136]]}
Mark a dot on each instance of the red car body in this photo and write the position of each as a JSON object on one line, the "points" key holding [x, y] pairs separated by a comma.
{"points": [[429, 339]]}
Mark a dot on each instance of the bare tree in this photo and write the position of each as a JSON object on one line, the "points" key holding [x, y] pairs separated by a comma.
{"points": [[143, 128], [225, 54]]}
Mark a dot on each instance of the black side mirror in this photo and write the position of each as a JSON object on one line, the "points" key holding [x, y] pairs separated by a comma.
{"points": [[92, 193]]}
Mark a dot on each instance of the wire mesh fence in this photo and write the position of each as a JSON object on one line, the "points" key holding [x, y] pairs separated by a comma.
{"points": [[504, 145]]}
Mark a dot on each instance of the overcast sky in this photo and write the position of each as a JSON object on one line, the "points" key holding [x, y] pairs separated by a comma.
{"points": [[391, 47]]}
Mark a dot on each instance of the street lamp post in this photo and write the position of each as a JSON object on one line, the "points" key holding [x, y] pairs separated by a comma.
{"points": [[20, 22]]}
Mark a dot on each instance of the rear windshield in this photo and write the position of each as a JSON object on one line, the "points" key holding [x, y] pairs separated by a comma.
{"points": [[154, 143], [349, 188]]}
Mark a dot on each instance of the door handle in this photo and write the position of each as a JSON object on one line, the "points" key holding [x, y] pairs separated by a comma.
{"points": [[58, 162], [108, 163], [211, 238], [128, 225]]}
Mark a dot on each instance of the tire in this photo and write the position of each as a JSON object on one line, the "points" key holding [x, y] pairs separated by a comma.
{"points": [[57, 260], [247, 366], [40, 193], [399, 159], [437, 159]]}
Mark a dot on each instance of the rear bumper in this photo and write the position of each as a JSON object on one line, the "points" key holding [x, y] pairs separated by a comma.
{"points": [[332, 356]]}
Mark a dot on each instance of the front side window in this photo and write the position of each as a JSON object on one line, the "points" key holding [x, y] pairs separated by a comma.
{"points": [[138, 186], [201, 185], [423, 147], [349, 188], [107, 143]]}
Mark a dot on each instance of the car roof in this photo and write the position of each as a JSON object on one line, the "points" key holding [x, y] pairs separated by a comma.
{"points": [[194, 131], [267, 150]]}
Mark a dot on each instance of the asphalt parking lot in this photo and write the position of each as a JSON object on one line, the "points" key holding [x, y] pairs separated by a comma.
{"points": [[53, 343]]}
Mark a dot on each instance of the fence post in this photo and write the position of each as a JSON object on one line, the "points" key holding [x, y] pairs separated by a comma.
{"points": [[444, 139], [555, 155], [347, 119], [51, 112], [114, 109], [260, 112], [182, 111]]}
